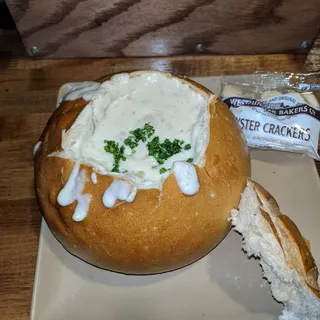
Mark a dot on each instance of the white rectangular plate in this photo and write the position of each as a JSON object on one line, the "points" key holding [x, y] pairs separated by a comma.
{"points": [[223, 285]]}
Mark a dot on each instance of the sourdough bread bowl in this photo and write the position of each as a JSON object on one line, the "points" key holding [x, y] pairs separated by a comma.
{"points": [[139, 173]]}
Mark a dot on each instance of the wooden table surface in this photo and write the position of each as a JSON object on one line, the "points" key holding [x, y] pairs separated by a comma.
{"points": [[28, 90]]}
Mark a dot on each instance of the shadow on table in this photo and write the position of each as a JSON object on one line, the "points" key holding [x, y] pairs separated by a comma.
{"points": [[241, 278]]}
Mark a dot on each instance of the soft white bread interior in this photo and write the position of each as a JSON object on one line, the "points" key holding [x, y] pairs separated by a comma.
{"points": [[284, 253]]}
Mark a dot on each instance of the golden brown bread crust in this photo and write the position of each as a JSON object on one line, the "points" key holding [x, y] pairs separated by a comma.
{"points": [[155, 233], [295, 247]]}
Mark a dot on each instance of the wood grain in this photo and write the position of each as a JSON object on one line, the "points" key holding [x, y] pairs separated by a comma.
{"points": [[313, 60], [45, 75], [19, 229], [94, 28], [28, 90]]}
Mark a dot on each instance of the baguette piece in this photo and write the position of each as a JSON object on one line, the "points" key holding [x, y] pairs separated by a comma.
{"points": [[284, 253]]}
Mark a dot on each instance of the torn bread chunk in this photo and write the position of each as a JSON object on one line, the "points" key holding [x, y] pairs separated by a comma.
{"points": [[284, 253]]}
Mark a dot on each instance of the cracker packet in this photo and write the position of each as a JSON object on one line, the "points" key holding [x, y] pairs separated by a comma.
{"points": [[278, 111]]}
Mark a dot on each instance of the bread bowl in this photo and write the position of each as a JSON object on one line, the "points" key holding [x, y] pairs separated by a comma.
{"points": [[140, 220]]}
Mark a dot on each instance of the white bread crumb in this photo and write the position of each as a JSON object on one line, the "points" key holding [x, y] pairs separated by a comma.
{"points": [[259, 240]]}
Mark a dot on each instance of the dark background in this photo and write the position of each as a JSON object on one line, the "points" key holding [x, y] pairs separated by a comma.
{"points": [[6, 21]]}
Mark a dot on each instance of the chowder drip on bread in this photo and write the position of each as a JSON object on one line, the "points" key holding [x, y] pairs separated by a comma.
{"points": [[72, 191], [118, 190]]}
